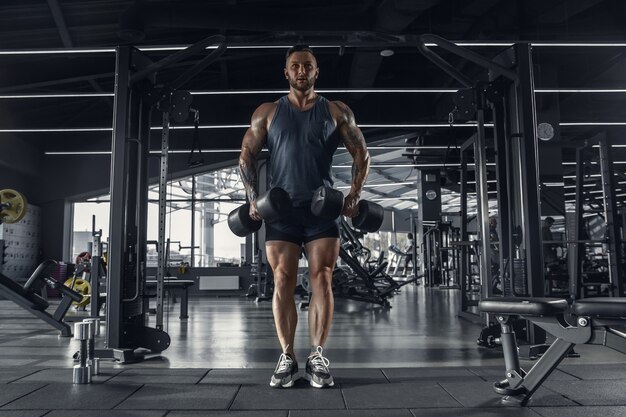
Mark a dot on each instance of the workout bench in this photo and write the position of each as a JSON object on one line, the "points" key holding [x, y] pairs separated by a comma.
{"points": [[173, 284], [599, 321], [28, 298]]}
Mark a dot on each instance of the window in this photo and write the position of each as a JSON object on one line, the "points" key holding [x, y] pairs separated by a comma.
{"points": [[83, 222], [197, 210]]}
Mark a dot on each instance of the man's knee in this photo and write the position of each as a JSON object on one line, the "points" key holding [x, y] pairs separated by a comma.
{"points": [[321, 279], [283, 281]]}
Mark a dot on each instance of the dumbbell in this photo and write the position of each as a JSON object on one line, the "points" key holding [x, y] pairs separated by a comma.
{"points": [[94, 330], [272, 205], [327, 203], [82, 372]]}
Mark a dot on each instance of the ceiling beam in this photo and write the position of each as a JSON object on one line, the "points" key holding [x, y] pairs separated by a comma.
{"points": [[66, 39]]}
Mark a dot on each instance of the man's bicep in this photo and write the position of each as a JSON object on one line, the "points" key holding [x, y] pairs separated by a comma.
{"points": [[253, 142], [353, 139], [350, 134]]}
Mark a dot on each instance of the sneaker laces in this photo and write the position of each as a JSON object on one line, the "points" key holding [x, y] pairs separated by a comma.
{"points": [[318, 360], [284, 362]]}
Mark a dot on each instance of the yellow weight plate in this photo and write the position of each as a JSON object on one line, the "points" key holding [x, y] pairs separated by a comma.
{"points": [[13, 206], [82, 287]]}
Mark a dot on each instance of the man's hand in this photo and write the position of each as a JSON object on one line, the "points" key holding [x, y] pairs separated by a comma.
{"points": [[254, 213], [350, 205]]}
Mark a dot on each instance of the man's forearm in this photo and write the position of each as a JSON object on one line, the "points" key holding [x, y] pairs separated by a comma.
{"points": [[360, 169], [248, 172]]}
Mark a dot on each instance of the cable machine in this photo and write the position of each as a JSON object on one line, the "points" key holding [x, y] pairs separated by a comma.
{"points": [[137, 95], [508, 97]]}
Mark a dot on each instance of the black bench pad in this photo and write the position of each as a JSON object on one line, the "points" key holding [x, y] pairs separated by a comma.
{"points": [[609, 307], [528, 306], [38, 303]]}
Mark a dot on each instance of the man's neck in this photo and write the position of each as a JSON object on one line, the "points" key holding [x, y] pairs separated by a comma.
{"points": [[302, 99]]}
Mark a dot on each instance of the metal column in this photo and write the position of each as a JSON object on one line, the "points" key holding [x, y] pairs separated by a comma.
{"points": [[616, 273], [530, 197], [117, 222]]}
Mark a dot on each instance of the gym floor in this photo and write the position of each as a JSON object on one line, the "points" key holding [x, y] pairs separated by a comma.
{"points": [[417, 359]]}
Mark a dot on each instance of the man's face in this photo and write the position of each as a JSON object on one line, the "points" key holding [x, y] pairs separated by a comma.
{"points": [[301, 70]]}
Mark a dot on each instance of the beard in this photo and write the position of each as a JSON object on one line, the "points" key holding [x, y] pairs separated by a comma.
{"points": [[302, 86]]}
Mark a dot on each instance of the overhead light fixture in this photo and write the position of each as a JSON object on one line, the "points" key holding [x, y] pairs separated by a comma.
{"points": [[323, 91], [69, 129], [574, 176], [386, 52], [245, 126], [580, 90], [181, 47], [55, 95], [592, 124], [171, 151], [584, 185]]}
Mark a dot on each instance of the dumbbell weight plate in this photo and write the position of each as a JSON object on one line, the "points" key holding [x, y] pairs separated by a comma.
{"points": [[327, 203], [240, 222], [370, 217], [274, 204], [82, 287], [12, 206]]}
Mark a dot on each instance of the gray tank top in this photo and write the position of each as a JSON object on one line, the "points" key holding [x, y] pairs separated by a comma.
{"points": [[301, 145]]}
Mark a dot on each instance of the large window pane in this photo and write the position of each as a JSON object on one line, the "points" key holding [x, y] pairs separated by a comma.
{"points": [[217, 244], [224, 184], [82, 225], [177, 229], [205, 241]]}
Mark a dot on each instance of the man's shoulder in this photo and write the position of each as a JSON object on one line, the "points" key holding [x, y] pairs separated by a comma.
{"points": [[267, 106], [338, 104], [265, 110], [339, 110]]}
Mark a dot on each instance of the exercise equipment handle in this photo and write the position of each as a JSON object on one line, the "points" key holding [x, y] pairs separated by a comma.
{"points": [[463, 53], [66, 291]]}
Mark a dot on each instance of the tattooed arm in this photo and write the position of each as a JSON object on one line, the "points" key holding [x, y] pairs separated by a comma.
{"points": [[253, 141], [354, 141]]}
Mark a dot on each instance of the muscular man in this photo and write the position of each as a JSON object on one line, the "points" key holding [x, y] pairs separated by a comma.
{"points": [[302, 131]]}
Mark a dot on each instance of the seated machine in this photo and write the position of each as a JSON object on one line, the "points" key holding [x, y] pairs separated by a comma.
{"points": [[28, 298], [364, 280], [598, 321], [396, 261]]}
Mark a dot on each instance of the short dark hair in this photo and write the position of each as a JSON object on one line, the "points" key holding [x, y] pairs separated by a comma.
{"points": [[298, 48], [549, 220]]}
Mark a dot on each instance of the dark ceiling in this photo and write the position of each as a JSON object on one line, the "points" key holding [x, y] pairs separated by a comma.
{"points": [[349, 37]]}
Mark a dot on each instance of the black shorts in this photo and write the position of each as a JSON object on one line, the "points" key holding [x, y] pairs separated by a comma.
{"points": [[301, 226]]}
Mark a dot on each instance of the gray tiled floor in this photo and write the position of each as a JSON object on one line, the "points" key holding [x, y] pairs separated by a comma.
{"points": [[417, 359]]}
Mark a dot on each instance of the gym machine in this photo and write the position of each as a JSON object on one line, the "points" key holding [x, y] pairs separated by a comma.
{"points": [[13, 208], [137, 96], [508, 96], [441, 256], [607, 273], [598, 321], [29, 299], [360, 278]]}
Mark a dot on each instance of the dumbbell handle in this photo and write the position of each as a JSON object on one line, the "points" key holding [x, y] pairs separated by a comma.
{"points": [[272, 205], [83, 353]]}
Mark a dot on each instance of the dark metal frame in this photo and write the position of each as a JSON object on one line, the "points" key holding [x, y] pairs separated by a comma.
{"points": [[613, 239], [136, 96], [26, 297], [510, 94], [599, 327]]}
